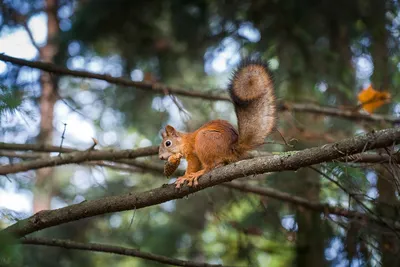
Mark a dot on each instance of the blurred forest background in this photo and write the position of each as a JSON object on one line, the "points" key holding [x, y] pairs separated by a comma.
{"points": [[322, 53]]}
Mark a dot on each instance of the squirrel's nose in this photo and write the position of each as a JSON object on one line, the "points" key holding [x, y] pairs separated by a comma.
{"points": [[161, 157]]}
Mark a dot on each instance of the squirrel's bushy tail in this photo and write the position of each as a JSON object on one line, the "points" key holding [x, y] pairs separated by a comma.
{"points": [[252, 92]]}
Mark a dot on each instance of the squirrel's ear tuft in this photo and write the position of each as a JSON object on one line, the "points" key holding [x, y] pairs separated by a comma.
{"points": [[170, 130]]}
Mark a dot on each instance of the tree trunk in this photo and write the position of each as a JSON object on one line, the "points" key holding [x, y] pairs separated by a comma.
{"points": [[311, 238], [44, 177], [376, 21], [311, 233], [388, 206]]}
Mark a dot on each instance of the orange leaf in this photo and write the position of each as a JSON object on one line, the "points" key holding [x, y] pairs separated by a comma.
{"points": [[371, 99]]}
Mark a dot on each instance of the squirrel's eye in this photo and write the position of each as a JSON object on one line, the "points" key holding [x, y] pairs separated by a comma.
{"points": [[168, 143]]}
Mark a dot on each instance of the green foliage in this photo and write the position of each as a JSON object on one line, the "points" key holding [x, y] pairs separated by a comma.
{"points": [[10, 254], [10, 100]]}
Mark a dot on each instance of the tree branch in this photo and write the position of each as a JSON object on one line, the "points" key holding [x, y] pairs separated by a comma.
{"points": [[372, 158], [356, 158], [35, 147], [273, 193], [335, 112], [163, 89], [119, 165], [12, 154], [155, 87], [77, 157], [120, 157], [96, 247], [158, 169], [315, 206], [307, 157], [29, 32]]}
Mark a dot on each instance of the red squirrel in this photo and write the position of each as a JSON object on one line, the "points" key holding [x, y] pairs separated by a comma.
{"points": [[217, 142]]}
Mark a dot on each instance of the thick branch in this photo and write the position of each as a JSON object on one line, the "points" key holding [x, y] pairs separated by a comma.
{"points": [[96, 247], [118, 157], [163, 89], [77, 157], [307, 157]]}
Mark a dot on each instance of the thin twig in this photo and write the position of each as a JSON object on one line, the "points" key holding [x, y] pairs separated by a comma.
{"points": [[26, 27], [62, 138], [95, 142]]}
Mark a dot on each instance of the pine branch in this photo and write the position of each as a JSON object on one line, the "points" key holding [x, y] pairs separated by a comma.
{"points": [[303, 158], [311, 205], [96, 247], [163, 89], [10, 100]]}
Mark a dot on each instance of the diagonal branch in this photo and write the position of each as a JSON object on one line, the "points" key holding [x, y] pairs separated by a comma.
{"points": [[96, 247], [315, 206], [29, 32], [163, 89], [304, 158], [158, 169]]}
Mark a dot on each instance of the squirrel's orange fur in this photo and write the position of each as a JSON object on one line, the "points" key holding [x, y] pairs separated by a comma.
{"points": [[217, 142]]}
